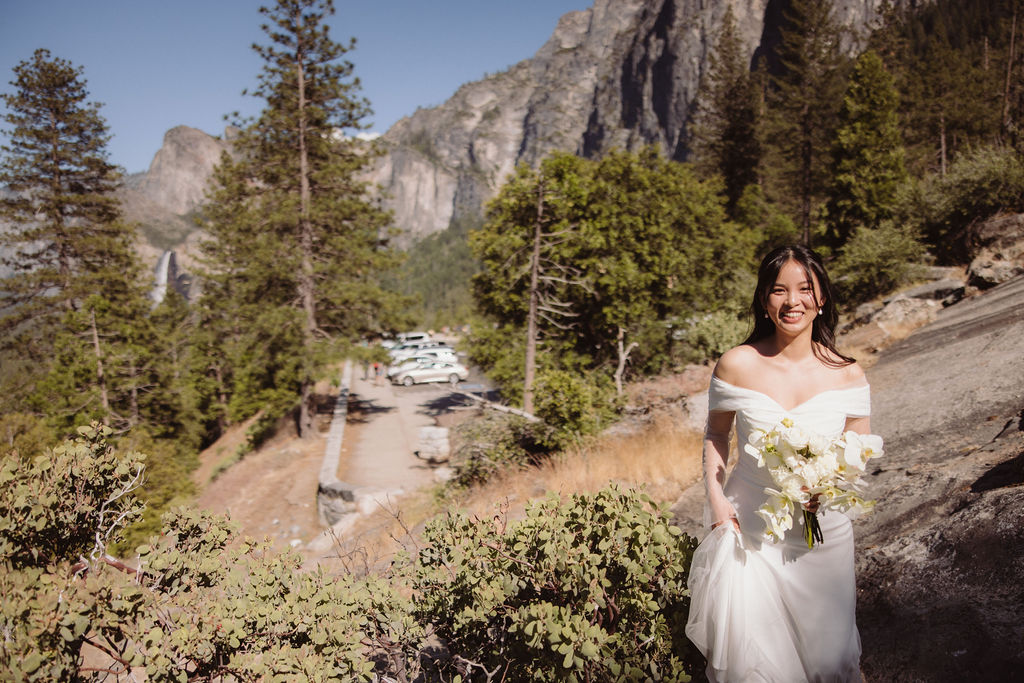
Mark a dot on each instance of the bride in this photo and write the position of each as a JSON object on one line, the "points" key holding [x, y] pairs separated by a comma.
{"points": [[764, 611]]}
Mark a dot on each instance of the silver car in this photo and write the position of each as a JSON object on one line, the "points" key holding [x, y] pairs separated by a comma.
{"points": [[432, 372]]}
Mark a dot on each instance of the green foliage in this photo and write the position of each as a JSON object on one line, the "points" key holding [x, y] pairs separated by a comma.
{"points": [[875, 261], [69, 502], [951, 60], [495, 443], [867, 154], [710, 335], [803, 104], [626, 244], [765, 219], [297, 244], [201, 603], [727, 122], [590, 589], [438, 270], [22, 434], [980, 184], [574, 404]]}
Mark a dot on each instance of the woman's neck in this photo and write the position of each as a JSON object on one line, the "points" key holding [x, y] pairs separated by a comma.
{"points": [[791, 349]]}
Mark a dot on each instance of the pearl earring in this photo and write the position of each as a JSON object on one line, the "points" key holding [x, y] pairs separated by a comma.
{"points": [[820, 311]]}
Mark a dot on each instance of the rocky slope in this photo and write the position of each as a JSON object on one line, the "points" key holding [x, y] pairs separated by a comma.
{"points": [[623, 74]]}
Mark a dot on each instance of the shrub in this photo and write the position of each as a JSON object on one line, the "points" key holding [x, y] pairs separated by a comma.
{"points": [[591, 589], [710, 335], [573, 404], [876, 261], [979, 185], [495, 442]]}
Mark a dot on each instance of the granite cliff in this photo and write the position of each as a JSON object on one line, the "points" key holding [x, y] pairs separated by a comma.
{"points": [[622, 74]]}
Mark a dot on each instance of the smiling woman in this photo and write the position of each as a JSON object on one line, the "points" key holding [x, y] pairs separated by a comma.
{"points": [[747, 582]]}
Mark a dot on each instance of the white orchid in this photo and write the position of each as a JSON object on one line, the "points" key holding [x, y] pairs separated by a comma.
{"points": [[777, 512], [804, 465]]}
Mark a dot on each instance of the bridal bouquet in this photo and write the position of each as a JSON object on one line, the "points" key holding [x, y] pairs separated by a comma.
{"points": [[803, 465]]}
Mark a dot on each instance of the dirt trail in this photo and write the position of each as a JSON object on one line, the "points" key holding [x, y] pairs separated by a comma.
{"points": [[272, 491]]}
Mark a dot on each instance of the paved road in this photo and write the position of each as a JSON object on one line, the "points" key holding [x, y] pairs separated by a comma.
{"points": [[391, 420]]}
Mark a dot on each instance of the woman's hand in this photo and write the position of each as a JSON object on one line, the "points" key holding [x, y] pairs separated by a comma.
{"points": [[735, 523], [813, 504]]}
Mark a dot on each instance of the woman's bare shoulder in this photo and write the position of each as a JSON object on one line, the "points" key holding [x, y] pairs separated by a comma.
{"points": [[854, 374], [736, 363]]}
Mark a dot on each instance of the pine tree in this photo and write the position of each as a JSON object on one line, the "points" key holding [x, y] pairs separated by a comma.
{"points": [[726, 125], [74, 289], [311, 238], [803, 105], [867, 155]]}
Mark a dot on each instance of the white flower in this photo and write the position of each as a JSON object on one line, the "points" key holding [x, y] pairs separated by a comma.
{"points": [[777, 513], [805, 464]]}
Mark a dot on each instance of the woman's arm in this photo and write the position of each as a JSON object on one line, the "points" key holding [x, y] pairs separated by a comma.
{"points": [[716, 456], [861, 425]]}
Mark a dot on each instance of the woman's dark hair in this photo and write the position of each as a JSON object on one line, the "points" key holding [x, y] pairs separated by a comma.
{"points": [[824, 328]]}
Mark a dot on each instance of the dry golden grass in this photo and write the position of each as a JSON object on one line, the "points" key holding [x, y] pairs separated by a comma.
{"points": [[662, 457]]}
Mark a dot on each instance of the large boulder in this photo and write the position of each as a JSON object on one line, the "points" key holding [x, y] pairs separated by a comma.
{"points": [[997, 251]]}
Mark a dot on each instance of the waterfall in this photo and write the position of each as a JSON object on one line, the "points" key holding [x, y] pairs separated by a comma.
{"points": [[160, 284]]}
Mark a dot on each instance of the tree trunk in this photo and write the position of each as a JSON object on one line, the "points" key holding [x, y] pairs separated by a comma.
{"points": [[133, 418], [1009, 73], [307, 287], [624, 352], [222, 397], [531, 316], [942, 143], [101, 380]]}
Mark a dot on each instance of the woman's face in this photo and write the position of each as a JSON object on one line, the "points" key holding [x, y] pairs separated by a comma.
{"points": [[792, 302]]}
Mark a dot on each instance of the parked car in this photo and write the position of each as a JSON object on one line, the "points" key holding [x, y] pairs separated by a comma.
{"points": [[424, 358], [416, 348], [405, 338], [432, 372]]}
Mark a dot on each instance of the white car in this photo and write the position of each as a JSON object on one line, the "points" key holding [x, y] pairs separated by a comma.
{"points": [[432, 372], [405, 338], [420, 359], [417, 348]]}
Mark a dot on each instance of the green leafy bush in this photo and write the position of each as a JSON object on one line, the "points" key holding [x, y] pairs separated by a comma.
{"points": [[875, 261], [710, 335], [980, 184], [591, 589], [196, 603], [573, 404], [497, 442]]}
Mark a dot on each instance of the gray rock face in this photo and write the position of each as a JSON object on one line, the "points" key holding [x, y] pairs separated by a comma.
{"points": [[622, 74], [996, 251], [180, 172]]}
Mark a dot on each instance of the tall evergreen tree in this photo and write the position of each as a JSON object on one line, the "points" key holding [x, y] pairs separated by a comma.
{"points": [[296, 212], [726, 126], [803, 106], [867, 155], [74, 287]]}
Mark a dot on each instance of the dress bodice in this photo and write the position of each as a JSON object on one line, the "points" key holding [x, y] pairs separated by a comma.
{"points": [[824, 413]]}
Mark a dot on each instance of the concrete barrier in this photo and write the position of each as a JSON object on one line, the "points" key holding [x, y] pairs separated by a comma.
{"points": [[335, 498]]}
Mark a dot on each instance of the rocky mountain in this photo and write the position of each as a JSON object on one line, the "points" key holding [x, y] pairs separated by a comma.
{"points": [[163, 199], [624, 73]]}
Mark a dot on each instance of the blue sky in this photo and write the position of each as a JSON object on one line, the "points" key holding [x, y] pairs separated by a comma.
{"points": [[156, 64]]}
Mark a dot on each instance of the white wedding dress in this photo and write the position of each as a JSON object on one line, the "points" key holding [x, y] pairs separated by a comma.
{"points": [[776, 612]]}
